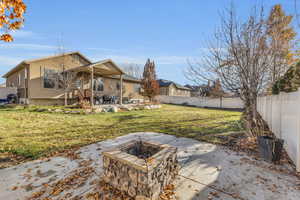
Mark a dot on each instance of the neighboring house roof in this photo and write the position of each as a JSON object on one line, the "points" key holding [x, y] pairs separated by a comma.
{"points": [[164, 83], [206, 90], [167, 83], [20, 65], [198, 88]]}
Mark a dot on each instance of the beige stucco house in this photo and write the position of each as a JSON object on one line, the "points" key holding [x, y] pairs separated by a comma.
{"points": [[170, 88], [45, 81]]}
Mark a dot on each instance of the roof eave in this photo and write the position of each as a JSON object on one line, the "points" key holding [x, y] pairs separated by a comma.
{"points": [[44, 58], [54, 56], [16, 68], [112, 62]]}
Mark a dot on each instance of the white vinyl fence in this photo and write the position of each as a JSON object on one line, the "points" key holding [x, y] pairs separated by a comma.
{"points": [[233, 103], [282, 113]]}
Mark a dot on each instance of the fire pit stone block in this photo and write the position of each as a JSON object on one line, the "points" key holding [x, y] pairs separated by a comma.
{"points": [[140, 169]]}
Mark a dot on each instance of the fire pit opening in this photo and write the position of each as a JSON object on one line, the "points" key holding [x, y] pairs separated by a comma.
{"points": [[142, 150], [140, 169]]}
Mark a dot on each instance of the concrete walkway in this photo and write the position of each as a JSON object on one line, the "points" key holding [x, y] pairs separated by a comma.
{"points": [[207, 172]]}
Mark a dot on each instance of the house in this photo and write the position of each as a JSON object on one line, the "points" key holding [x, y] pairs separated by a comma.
{"points": [[199, 91], [207, 90], [2, 85], [47, 80], [170, 88]]}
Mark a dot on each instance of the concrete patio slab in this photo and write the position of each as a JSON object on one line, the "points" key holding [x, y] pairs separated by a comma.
{"points": [[207, 172]]}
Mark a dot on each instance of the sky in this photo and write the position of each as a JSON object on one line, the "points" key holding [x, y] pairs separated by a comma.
{"points": [[170, 32]]}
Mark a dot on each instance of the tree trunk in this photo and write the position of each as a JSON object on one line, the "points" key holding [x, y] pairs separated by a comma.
{"points": [[254, 123], [66, 98]]}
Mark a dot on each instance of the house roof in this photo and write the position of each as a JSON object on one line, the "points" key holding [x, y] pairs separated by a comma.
{"points": [[167, 83], [128, 78], [198, 87], [164, 83], [21, 64], [105, 67]]}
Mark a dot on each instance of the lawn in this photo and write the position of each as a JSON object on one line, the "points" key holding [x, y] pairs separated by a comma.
{"points": [[34, 134]]}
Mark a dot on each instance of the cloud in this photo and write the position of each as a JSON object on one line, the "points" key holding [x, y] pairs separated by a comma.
{"points": [[164, 60], [102, 49], [207, 50], [22, 34], [169, 60], [27, 46], [121, 58], [7, 60]]}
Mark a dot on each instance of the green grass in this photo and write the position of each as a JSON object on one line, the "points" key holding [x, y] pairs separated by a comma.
{"points": [[34, 134]]}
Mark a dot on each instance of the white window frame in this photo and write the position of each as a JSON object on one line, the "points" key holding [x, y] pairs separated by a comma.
{"points": [[53, 78], [19, 79], [25, 71]]}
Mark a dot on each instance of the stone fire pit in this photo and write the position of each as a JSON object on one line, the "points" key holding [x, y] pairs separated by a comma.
{"points": [[140, 169]]}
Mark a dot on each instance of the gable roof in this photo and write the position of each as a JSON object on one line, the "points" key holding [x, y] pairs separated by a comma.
{"points": [[20, 65], [164, 83], [167, 83], [105, 67]]}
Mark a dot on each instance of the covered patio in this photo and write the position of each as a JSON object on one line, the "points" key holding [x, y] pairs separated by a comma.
{"points": [[85, 77]]}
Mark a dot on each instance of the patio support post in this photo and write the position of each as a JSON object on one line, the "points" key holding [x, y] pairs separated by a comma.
{"points": [[121, 88], [92, 89]]}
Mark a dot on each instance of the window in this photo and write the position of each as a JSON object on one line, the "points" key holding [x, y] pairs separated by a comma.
{"points": [[118, 86], [60, 80], [25, 72], [50, 77], [19, 79], [78, 83], [137, 87], [98, 84], [76, 58]]}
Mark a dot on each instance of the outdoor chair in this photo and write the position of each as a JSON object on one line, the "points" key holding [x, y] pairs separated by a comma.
{"points": [[106, 99], [113, 99], [98, 100]]}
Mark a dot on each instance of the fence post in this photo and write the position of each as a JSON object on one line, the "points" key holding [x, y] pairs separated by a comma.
{"points": [[280, 115], [298, 138]]}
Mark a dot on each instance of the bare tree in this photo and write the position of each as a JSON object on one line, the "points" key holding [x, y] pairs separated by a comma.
{"points": [[65, 77], [240, 57], [134, 70]]}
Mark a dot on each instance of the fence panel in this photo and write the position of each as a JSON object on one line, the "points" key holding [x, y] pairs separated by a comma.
{"points": [[203, 101], [282, 113]]}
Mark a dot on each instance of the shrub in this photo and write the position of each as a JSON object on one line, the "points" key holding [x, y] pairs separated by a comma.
{"points": [[289, 82]]}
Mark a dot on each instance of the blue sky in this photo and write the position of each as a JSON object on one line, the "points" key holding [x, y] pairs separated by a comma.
{"points": [[127, 31]]}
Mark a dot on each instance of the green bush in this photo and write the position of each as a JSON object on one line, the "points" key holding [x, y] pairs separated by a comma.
{"points": [[289, 82]]}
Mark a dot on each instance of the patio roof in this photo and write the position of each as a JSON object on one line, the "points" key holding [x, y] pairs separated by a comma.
{"points": [[104, 68]]}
